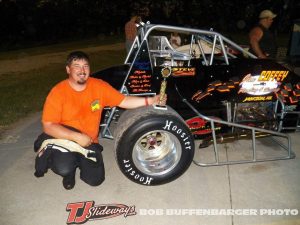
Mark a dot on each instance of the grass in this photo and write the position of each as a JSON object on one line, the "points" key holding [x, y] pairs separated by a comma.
{"points": [[25, 92], [68, 46]]}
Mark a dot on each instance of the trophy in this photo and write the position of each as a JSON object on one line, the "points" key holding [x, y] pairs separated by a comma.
{"points": [[165, 72]]}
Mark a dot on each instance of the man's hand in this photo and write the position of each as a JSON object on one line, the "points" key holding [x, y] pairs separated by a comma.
{"points": [[82, 139], [157, 100], [58, 131]]}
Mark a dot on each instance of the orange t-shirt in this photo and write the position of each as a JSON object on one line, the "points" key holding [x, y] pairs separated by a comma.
{"points": [[80, 109]]}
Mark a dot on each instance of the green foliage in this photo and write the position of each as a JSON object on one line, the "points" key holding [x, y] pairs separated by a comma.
{"points": [[24, 93]]}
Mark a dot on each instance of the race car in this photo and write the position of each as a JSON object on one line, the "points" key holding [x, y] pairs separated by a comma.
{"points": [[215, 88]]}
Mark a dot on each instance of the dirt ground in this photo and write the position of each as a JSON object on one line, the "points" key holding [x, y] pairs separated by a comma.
{"points": [[26, 63]]}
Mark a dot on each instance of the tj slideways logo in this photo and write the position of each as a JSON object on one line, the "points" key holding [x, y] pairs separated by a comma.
{"points": [[81, 212]]}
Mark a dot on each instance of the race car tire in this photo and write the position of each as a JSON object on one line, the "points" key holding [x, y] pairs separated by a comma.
{"points": [[153, 146]]}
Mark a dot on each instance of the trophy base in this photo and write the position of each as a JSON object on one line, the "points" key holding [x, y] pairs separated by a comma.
{"points": [[160, 107]]}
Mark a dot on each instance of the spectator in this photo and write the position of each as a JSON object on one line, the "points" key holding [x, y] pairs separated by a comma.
{"points": [[175, 40], [131, 31], [262, 40]]}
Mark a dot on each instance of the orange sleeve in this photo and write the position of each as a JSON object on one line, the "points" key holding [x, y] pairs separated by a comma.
{"points": [[53, 107], [111, 97]]}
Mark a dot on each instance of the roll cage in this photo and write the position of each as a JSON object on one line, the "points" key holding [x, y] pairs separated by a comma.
{"points": [[202, 44]]}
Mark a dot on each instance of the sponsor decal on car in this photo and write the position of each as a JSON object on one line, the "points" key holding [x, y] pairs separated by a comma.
{"points": [[271, 75], [199, 126], [258, 98], [183, 71], [140, 81], [254, 85]]}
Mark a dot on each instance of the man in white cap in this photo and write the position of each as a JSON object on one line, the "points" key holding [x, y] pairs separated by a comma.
{"points": [[262, 41]]}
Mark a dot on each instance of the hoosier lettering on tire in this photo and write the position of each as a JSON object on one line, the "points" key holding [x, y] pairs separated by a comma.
{"points": [[153, 146]]}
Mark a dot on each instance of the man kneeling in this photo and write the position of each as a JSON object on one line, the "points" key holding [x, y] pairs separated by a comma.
{"points": [[71, 117]]}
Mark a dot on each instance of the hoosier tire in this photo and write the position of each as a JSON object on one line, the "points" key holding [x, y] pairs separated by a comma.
{"points": [[153, 146]]}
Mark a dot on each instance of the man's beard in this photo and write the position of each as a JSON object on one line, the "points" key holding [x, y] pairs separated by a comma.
{"points": [[82, 81]]}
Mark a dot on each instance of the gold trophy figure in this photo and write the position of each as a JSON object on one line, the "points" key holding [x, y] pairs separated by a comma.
{"points": [[165, 72]]}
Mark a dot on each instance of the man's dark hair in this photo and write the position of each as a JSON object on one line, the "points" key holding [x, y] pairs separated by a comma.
{"points": [[75, 56]]}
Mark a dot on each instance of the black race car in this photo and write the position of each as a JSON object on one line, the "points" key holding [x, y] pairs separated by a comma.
{"points": [[216, 90]]}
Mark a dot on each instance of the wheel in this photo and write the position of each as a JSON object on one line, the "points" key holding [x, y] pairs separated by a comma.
{"points": [[153, 146]]}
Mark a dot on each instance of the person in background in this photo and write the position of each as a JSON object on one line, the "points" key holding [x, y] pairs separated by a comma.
{"points": [[262, 40], [175, 40], [131, 31], [70, 119]]}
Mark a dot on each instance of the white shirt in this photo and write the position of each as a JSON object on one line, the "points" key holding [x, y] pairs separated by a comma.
{"points": [[175, 41]]}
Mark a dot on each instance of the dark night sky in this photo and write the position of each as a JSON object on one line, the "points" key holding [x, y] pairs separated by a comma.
{"points": [[28, 22]]}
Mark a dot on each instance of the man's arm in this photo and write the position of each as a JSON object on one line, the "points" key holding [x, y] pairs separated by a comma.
{"points": [[130, 102], [58, 131], [255, 36]]}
